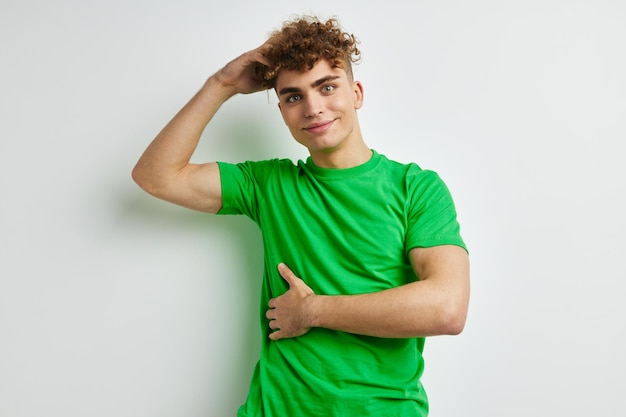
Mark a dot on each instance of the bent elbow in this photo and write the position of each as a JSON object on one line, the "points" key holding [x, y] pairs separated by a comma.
{"points": [[140, 179], [455, 327], [137, 176], [453, 321], [143, 180]]}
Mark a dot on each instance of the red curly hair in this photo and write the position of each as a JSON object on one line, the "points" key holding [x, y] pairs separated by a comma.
{"points": [[302, 42]]}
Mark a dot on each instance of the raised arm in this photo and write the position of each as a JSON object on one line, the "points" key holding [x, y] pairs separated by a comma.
{"points": [[164, 169], [437, 304]]}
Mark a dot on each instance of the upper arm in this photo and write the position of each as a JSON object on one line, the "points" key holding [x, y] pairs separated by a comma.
{"points": [[447, 269], [447, 260], [200, 187], [195, 186]]}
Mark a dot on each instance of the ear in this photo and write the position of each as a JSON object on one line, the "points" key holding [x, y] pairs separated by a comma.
{"points": [[358, 94]]}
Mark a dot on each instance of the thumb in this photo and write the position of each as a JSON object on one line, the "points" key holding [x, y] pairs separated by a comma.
{"points": [[287, 274]]}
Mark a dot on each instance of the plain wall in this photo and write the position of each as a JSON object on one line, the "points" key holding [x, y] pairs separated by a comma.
{"points": [[113, 303]]}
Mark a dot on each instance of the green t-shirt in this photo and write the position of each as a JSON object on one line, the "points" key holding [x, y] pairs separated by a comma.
{"points": [[343, 231]]}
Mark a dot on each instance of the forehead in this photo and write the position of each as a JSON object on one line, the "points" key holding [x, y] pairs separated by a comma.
{"points": [[302, 79]]}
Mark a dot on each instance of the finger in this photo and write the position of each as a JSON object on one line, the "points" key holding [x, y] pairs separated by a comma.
{"points": [[277, 335], [287, 274], [259, 54]]}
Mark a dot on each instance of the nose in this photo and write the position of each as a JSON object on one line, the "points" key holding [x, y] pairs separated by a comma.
{"points": [[313, 106]]}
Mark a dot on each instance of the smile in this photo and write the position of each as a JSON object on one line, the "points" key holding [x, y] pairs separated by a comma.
{"points": [[319, 127]]}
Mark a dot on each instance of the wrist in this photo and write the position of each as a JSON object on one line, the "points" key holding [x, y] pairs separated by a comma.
{"points": [[315, 310], [214, 85]]}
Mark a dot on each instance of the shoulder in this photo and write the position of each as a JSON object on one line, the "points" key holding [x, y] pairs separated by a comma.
{"points": [[423, 187], [412, 172]]}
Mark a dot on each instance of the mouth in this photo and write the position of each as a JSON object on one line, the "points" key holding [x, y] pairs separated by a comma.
{"points": [[319, 127]]}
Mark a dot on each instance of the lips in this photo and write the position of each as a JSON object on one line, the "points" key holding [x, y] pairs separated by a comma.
{"points": [[319, 127]]}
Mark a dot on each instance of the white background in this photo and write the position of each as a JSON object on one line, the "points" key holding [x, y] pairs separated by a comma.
{"points": [[113, 303]]}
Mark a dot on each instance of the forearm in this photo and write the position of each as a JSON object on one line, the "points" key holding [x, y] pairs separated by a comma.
{"points": [[413, 310], [437, 304]]}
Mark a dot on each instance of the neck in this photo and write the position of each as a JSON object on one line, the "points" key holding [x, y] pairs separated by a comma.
{"points": [[342, 158]]}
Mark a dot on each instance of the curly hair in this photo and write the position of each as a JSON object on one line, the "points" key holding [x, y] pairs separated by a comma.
{"points": [[302, 42]]}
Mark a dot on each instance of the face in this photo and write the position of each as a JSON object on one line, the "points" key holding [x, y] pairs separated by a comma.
{"points": [[319, 107]]}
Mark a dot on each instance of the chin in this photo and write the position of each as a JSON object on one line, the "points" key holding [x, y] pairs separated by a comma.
{"points": [[322, 145]]}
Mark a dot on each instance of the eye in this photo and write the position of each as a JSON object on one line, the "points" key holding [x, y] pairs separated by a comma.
{"points": [[293, 99], [329, 88]]}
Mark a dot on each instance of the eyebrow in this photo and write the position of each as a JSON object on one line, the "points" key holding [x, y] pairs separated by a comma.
{"points": [[316, 83]]}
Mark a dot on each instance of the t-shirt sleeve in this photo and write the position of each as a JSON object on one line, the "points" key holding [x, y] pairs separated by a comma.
{"points": [[239, 189], [432, 218]]}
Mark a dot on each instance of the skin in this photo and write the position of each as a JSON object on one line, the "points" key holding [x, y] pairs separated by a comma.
{"points": [[164, 170], [319, 107]]}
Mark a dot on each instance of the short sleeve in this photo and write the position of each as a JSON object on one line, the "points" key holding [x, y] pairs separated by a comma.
{"points": [[239, 190], [432, 217]]}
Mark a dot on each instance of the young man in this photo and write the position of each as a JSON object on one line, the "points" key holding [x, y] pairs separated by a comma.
{"points": [[363, 255]]}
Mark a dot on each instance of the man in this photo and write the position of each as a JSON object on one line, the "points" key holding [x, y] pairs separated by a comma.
{"points": [[363, 255]]}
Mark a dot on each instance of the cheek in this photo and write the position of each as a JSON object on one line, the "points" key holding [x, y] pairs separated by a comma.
{"points": [[341, 103], [289, 117]]}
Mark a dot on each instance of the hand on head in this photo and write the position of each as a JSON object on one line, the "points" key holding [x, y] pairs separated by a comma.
{"points": [[242, 74]]}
